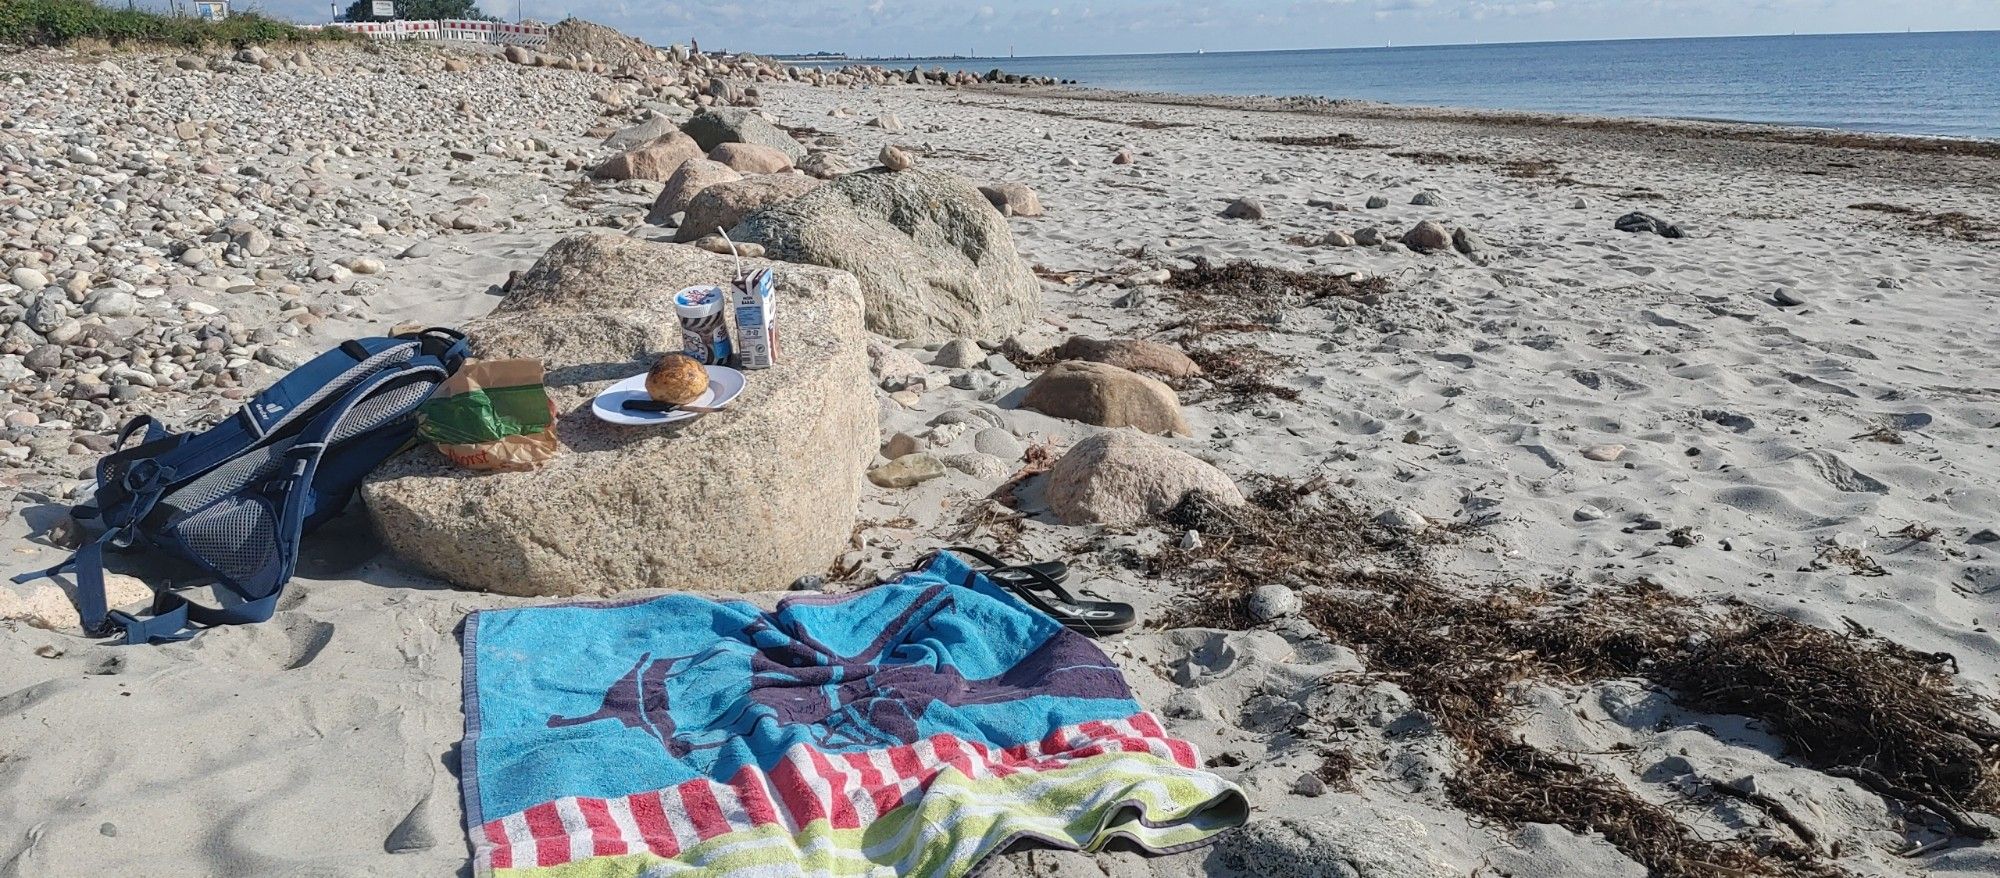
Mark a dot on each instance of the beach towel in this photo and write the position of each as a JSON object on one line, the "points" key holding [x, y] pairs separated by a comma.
{"points": [[915, 728]]}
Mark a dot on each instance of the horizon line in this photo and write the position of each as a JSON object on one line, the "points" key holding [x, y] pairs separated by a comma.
{"points": [[1371, 47]]}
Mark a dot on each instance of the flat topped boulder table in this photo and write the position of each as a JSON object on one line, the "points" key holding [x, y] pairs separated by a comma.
{"points": [[746, 499]]}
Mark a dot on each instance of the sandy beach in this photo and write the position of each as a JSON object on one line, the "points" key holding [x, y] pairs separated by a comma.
{"points": [[1790, 407]]}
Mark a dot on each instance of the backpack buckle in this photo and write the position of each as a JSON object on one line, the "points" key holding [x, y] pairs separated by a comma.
{"points": [[144, 475]]}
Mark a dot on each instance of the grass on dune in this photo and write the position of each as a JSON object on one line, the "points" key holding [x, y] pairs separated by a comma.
{"points": [[64, 22]]}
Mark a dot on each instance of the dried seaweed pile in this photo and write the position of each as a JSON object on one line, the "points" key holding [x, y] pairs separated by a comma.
{"points": [[1241, 372], [1220, 298], [1342, 140], [1848, 704], [1523, 169], [1952, 225]]}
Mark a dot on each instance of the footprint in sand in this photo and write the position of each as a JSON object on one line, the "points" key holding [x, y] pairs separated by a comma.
{"points": [[1834, 471], [308, 639], [1810, 383]]}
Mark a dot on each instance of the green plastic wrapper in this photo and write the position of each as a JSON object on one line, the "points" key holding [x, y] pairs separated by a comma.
{"points": [[492, 415]]}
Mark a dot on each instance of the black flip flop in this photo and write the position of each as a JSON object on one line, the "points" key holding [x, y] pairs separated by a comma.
{"points": [[1029, 582], [1030, 575]]}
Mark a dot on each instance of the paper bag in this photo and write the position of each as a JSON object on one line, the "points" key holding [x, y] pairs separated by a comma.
{"points": [[492, 415]]}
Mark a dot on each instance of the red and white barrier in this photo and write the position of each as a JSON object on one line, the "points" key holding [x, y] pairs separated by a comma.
{"points": [[499, 33]]}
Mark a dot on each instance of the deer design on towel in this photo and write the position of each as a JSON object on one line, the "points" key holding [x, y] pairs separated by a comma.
{"points": [[850, 700]]}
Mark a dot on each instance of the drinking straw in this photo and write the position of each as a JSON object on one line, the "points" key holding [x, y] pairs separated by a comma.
{"points": [[732, 252]]}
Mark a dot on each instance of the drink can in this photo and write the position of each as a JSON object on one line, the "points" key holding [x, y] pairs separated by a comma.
{"points": [[704, 327]]}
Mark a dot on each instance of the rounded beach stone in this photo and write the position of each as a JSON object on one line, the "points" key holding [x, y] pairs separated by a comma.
{"points": [[1013, 199], [1130, 353], [641, 134], [751, 158], [654, 161], [1246, 207], [1272, 601], [1427, 237], [1106, 396], [1122, 477], [693, 176], [894, 158], [743, 500]]}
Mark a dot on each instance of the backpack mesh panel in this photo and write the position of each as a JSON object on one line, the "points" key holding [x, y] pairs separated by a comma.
{"points": [[398, 354], [380, 409], [238, 538], [258, 465]]}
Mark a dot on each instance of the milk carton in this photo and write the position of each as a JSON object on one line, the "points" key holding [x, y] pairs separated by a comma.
{"points": [[756, 336]]}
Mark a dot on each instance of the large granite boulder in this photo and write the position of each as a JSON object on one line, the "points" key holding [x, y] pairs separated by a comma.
{"points": [[723, 205], [694, 175], [657, 160], [746, 499], [715, 126], [1106, 396], [935, 260], [1120, 477]]}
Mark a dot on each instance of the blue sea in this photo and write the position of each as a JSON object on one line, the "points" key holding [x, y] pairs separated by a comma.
{"points": [[1912, 83]]}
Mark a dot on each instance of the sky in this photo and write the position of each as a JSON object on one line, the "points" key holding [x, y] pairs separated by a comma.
{"points": [[1071, 27]]}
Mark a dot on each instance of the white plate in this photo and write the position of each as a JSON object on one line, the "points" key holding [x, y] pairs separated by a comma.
{"points": [[724, 385]]}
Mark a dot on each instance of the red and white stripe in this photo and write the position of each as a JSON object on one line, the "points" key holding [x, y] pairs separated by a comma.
{"points": [[848, 790]]}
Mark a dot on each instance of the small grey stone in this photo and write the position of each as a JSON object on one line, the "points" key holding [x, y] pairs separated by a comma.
{"points": [[906, 471], [1272, 601], [1377, 202], [276, 359], [1788, 297], [30, 279], [1368, 237], [959, 353], [417, 250], [1465, 241], [1401, 519], [1309, 785], [900, 445], [112, 303], [46, 313], [999, 443], [1587, 512], [1244, 208], [1427, 198], [44, 358]]}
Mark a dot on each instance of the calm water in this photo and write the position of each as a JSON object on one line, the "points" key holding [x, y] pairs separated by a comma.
{"points": [[1932, 83]]}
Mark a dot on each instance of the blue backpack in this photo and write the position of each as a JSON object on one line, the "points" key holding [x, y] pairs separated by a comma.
{"points": [[235, 499]]}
